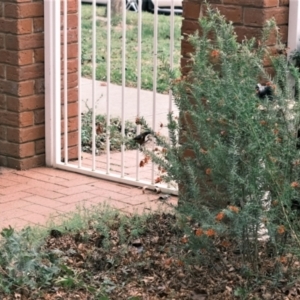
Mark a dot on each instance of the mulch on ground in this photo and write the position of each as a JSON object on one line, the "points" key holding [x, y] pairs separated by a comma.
{"points": [[156, 264]]}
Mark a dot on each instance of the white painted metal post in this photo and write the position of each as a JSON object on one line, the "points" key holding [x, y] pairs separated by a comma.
{"points": [[65, 34], [49, 82], [123, 84], [52, 82], [294, 26], [94, 86], [79, 85], [172, 33], [139, 84], [108, 74], [155, 36]]}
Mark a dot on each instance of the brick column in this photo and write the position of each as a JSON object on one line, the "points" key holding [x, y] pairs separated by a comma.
{"points": [[21, 84], [248, 17], [22, 115]]}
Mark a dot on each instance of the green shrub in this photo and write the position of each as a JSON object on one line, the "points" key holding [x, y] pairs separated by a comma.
{"points": [[234, 155], [23, 267]]}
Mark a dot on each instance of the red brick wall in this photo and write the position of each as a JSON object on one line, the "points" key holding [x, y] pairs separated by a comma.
{"points": [[248, 17], [22, 115]]}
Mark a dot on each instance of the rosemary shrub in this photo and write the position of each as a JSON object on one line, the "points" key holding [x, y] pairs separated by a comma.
{"points": [[232, 153]]}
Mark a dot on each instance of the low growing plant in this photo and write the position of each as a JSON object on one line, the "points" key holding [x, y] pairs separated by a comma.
{"points": [[233, 152], [113, 130], [23, 268]]}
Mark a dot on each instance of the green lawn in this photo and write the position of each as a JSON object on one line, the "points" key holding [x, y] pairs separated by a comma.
{"points": [[131, 47]]}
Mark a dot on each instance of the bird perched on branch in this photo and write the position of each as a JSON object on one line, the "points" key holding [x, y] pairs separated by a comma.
{"points": [[141, 138], [264, 91]]}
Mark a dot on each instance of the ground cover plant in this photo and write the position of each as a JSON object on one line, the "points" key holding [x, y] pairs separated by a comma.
{"points": [[103, 254], [131, 47]]}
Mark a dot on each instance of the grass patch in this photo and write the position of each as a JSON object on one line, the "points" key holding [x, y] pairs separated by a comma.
{"points": [[131, 48]]}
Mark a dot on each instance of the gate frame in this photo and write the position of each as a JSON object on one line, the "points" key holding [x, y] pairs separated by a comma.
{"points": [[52, 23], [53, 88], [52, 20]]}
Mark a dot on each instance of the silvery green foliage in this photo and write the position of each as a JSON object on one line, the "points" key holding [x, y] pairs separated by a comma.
{"points": [[231, 147], [23, 265]]}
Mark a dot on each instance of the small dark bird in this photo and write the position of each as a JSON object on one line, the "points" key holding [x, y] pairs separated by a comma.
{"points": [[298, 139], [264, 91], [141, 138], [99, 128], [55, 233]]}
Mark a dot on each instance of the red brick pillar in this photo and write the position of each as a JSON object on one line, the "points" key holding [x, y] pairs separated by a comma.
{"points": [[21, 84], [22, 115], [248, 17]]}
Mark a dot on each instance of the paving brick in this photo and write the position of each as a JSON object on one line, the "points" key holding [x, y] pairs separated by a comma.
{"points": [[43, 201], [76, 197], [29, 181], [14, 189], [16, 223], [61, 173], [6, 183], [75, 182], [48, 186], [13, 196], [119, 188], [44, 193], [45, 178], [35, 218], [11, 214], [108, 194], [39, 209], [76, 189], [17, 177], [13, 205]]}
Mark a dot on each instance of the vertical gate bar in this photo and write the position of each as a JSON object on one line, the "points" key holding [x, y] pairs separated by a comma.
{"points": [[94, 86], [123, 82], [66, 136], [294, 26], [57, 82], [49, 80], [108, 86], [154, 74], [172, 20], [139, 70], [79, 84]]}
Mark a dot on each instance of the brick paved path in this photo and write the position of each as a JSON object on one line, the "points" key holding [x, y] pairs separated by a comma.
{"points": [[31, 197]]}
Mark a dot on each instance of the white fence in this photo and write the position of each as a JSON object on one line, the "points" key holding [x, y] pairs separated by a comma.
{"points": [[122, 166]]}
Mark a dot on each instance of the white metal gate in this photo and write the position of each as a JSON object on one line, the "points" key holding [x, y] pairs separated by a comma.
{"points": [[124, 165]]}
